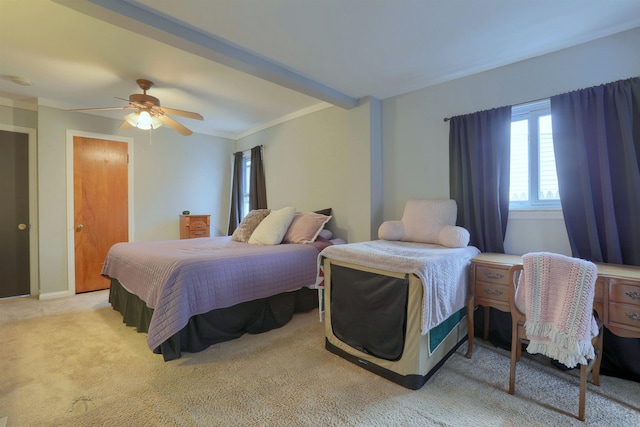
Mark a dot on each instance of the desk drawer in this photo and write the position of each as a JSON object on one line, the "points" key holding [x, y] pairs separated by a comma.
{"points": [[492, 292], [194, 226], [492, 274], [625, 314], [624, 292], [198, 233], [199, 223]]}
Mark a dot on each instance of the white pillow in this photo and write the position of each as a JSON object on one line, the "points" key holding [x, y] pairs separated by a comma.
{"points": [[391, 230], [272, 229], [453, 236]]}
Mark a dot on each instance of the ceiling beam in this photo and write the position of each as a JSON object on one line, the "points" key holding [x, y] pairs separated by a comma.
{"points": [[146, 22]]}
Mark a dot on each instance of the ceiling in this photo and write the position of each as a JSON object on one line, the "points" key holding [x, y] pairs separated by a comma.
{"points": [[248, 64]]}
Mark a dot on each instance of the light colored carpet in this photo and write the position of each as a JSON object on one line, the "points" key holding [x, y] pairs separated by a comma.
{"points": [[86, 368]]}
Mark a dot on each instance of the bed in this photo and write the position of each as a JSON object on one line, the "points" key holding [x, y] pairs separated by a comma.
{"points": [[189, 294], [394, 306]]}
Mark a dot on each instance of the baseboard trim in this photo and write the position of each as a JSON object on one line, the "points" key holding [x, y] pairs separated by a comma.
{"points": [[52, 295]]}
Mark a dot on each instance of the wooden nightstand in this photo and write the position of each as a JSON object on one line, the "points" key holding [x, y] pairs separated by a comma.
{"points": [[616, 299], [488, 287], [192, 226]]}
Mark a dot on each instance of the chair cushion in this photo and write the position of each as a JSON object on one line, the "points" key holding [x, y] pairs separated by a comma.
{"points": [[424, 219], [453, 236], [391, 230]]}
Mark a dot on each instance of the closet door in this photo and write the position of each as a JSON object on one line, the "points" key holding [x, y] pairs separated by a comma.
{"points": [[101, 200], [14, 214]]}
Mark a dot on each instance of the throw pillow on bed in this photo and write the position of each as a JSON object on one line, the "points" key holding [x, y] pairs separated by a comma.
{"points": [[325, 234], [249, 224], [305, 227], [273, 228]]}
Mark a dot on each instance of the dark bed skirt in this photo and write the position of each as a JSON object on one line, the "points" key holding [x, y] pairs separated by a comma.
{"points": [[218, 325]]}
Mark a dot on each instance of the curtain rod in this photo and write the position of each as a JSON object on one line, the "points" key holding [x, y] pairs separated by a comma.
{"points": [[446, 119], [249, 149]]}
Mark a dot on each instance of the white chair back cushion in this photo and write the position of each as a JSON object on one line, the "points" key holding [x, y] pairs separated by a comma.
{"points": [[424, 219]]}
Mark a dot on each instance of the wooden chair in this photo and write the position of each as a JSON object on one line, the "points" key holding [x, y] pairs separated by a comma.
{"points": [[519, 337]]}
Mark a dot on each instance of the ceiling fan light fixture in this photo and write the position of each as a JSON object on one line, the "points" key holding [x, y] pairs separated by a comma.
{"points": [[155, 122], [143, 120], [147, 112], [132, 119]]}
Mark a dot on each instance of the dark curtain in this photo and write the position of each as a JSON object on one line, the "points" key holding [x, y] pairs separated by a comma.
{"points": [[257, 185], [596, 138], [236, 193], [479, 164], [479, 150]]}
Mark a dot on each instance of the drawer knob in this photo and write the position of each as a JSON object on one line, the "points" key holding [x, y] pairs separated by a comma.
{"points": [[497, 292], [494, 276], [632, 316], [633, 295]]}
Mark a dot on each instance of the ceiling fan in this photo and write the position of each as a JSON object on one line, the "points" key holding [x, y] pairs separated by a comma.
{"points": [[148, 113]]}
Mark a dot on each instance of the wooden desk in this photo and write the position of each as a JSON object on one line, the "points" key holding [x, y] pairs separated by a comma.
{"points": [[616, 300]]}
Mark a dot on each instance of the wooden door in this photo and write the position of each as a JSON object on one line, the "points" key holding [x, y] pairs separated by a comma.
{"points": [[100, 185], [14, 214]]}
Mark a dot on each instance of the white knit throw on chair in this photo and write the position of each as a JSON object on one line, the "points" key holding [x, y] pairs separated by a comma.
{"points": [[558, 296]]}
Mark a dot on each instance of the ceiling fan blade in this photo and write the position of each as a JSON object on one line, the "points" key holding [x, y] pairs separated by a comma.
{"points": [[125, 125], [174, 125], [182, 113], [135, 104], [101, 108]]}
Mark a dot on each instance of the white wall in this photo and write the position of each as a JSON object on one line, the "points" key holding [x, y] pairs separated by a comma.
{"points": [[365, 170], [306, 164], [327, 159], [174, 173], [18, 117], [416, 139]]}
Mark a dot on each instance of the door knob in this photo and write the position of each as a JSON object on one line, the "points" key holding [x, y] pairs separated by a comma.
{"points": [[79, 227], [22, 227]]}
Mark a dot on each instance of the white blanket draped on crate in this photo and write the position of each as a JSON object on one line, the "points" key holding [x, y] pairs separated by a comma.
{"points": [[444, 272]]}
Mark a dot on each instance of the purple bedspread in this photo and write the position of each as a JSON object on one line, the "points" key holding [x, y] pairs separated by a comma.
{"points": [[182, 278]]}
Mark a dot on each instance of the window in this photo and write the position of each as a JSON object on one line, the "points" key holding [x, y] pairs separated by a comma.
{"points": [[246, 182], [533, 180]]}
